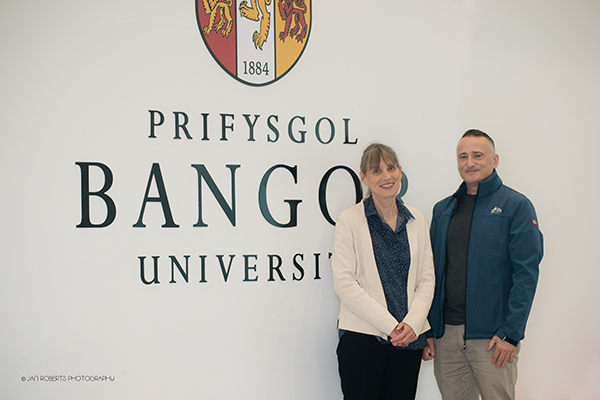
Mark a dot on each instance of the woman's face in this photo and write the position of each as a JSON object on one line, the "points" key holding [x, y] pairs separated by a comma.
{"points": [[383, 180]]}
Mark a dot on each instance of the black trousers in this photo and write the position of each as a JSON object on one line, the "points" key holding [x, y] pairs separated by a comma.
{"points": [[370, 370]]}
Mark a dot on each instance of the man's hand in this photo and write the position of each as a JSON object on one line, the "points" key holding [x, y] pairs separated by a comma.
{"points": [[429, 351], [504, 353], [402, 335]]}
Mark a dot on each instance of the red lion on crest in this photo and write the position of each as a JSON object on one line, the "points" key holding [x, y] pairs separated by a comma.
{"points": [[290, 10]]}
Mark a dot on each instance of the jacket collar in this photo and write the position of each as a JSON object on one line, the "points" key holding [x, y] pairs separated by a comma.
{"points": [[486, 187]]}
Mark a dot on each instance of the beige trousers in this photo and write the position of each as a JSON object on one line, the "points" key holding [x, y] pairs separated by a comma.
{"points": [[463, 371]]}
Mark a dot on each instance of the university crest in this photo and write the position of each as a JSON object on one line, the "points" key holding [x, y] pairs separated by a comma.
{"points": [[255, 41]]}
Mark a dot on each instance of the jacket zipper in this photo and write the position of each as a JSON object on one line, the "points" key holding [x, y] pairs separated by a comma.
{"points": [[467, 273]]}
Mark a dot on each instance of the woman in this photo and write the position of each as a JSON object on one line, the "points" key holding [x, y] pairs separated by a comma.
{"points": [[383, 274]]}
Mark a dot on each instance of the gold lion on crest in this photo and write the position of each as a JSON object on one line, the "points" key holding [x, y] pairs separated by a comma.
{"points": [[252, 13]]}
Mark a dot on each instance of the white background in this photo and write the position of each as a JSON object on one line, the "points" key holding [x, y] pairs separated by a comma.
{"points": [[77, 79]]}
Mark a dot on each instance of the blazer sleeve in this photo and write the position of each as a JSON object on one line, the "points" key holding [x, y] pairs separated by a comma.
{"points": [[424, 282], [349, 278]]}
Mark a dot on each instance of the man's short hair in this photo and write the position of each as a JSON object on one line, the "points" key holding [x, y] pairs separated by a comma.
{"points": [[478, 133]]}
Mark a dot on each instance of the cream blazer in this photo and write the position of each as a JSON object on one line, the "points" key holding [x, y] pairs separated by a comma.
{"points": [[356, 279]]}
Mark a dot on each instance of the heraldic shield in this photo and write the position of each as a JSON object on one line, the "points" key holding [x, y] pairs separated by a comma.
{"points": [[255, 41]]}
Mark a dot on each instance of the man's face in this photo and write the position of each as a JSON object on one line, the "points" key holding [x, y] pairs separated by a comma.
{"points": [[476, 161]]}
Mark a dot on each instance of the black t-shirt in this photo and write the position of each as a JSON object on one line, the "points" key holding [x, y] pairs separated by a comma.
{"points": [[457, 250]]}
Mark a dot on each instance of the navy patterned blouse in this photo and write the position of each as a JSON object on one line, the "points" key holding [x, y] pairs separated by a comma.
{"points": [[392, 256]]}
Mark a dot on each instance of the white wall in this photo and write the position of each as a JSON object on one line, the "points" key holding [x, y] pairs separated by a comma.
{"points": [[77, 81]]}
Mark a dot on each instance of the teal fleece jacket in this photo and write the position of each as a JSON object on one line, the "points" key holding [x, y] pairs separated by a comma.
{"points": [[505, 250]]}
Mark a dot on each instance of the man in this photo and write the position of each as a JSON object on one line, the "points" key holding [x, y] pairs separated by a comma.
{"points": [[487, 247]]}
